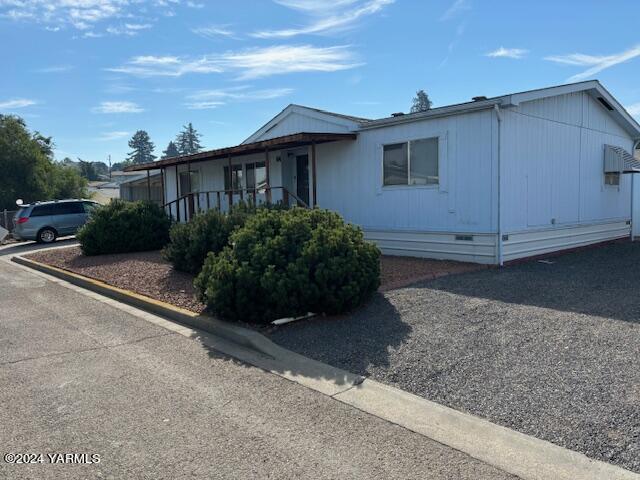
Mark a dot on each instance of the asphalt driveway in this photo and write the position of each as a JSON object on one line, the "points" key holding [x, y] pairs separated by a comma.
{"points": [[549, 349]]}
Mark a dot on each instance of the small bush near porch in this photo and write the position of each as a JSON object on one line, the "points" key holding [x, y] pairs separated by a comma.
{"points": [[207, 232], [122, 227], [286, 263]]}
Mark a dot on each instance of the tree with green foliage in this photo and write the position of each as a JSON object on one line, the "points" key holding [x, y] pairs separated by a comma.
{"points": [[142, 148], [28, 169], [119, 166], [171, 151], [188, 140], [87, 170], [421, 102]]}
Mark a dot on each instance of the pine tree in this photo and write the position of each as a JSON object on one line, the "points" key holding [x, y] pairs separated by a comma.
{"points": [[142, 148], [188, 140], [421, 102], [171, 151]]}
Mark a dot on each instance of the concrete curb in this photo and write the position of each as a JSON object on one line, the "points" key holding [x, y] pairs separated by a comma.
{"points": [[522, 455], [306, 371]]}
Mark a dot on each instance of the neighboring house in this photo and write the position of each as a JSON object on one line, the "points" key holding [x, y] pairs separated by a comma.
{"points": [[486, 181], [103, 192], [143, 188]]}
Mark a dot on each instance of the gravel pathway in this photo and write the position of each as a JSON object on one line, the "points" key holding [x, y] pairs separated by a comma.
{"points": [[551, 350]]}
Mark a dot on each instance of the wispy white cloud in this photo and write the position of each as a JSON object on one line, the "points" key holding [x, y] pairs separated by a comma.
{"points": [[502, 52], [455, 9], [213, 31], [118, 107], [634, 110], [110, 136], [247, 64], [596, 63], [329, 16], [128, 29], [209, 99], [16, 103], [55, 69], [87, 15]]}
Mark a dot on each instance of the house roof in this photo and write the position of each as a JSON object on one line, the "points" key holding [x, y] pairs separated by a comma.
{"points": [[593, 87], [287, 141], [348, 122]]}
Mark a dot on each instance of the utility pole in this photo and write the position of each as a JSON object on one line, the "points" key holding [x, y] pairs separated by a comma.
{"points": [[109, 167]]}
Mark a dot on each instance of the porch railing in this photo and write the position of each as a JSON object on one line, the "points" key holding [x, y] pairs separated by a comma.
{"points": [[185, 207]]}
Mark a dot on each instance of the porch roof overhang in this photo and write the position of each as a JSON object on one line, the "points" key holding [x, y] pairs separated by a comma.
{"points": [[288, 141]]}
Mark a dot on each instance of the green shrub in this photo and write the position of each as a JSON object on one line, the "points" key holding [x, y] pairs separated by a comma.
{"points": [[289, 262], [206, 232], [122, 226]]}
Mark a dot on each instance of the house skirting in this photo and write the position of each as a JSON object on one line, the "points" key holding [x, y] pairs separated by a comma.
{"points": [[538, 242], [463, 247], [483, 247]]}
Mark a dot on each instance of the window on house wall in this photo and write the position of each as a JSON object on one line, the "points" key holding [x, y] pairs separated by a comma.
{"points": [[233, 182], [256, 176], [189, 182], [612, 179], [411, 163]]}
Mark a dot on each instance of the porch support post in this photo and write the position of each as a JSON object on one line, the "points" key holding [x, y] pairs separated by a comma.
{"points": [[266, 165], [189, 199], [162, 185], [177, 195], [313, 173], [230, 192], [148, 186]]}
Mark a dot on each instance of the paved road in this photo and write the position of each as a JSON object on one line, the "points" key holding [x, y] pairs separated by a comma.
{"points": [[78, 375]]}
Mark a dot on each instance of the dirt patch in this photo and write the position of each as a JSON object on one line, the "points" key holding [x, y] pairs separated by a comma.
{"points": [[145, 273], [397, 272]]}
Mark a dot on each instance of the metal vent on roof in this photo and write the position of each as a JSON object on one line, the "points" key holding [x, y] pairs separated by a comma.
{"points": [[618, 160]]}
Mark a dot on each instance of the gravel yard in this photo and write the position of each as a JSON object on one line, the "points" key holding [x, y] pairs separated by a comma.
{"points": [[551, 350], [145, 273], [148, 274]]}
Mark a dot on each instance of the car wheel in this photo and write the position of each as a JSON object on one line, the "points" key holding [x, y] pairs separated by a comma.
{"points": [[47, 235]]}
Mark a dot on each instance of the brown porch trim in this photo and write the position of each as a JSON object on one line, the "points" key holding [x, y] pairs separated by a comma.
{"points": [[287, 141]]}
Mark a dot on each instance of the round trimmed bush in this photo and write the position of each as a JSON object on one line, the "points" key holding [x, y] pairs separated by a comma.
{"points": [[206, 232], [286, 263], [122, 226]]}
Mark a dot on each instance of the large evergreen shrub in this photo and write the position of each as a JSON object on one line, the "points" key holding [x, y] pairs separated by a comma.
{"points": [[206, 232], [122, 226], [289, 262]]}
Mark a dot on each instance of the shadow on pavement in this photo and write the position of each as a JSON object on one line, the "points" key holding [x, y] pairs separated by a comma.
{"points": [[601, 281], [19, 248]]}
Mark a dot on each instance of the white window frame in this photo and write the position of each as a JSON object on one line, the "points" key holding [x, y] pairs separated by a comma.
{"points": [[442, 154]]}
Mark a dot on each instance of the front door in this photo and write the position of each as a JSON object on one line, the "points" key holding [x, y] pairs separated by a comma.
{"points": [[302, 178]]}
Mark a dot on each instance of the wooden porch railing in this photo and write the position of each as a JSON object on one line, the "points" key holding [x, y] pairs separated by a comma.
{"points": [[185, 207]]}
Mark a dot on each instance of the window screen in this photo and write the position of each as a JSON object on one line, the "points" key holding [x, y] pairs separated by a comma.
{"points": [[256, 175], [423, 158], [235, 182], [396, 164]]}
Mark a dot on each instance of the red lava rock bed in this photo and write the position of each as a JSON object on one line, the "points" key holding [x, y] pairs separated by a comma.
{"points": [[147, 273]]}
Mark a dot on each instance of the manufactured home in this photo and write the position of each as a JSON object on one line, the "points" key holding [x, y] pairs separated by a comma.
{"points": [[488, 181]]}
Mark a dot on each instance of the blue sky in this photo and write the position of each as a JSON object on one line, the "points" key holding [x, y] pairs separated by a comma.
{"points": [[92, 72]]}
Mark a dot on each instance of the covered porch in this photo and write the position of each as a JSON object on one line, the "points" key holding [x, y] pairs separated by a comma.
{"points": [[277, 170]]}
